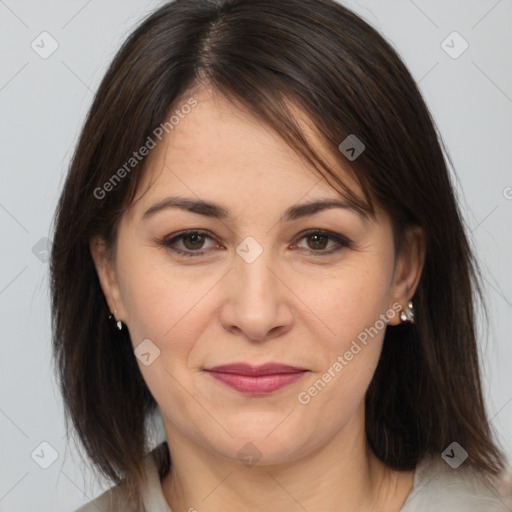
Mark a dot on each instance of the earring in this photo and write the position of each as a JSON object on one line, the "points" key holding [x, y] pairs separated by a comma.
{"points": [[119, 324], [408, 314]]}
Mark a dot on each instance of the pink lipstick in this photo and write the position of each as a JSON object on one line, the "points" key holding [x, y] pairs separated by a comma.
{"points": [[256, 380]]}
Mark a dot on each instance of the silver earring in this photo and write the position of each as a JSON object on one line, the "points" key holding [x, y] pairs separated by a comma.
{"points": [[119, 324], [407, 315]]}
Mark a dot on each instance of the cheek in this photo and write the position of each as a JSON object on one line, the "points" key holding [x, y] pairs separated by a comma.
{"points": [[165, 307], [350, 300], [160, 300], [352, 307]]}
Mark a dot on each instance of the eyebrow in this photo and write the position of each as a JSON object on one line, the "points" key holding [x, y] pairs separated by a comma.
{"points": [[209, 209]]}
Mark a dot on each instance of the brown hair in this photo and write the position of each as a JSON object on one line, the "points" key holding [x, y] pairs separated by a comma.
{"points": [[265, 55]]}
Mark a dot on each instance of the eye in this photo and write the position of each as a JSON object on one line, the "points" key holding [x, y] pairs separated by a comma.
{"points": [[317, 241], [192, 241]]}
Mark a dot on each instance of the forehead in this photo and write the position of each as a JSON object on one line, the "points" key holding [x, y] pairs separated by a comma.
{"points": [[220, 152]]}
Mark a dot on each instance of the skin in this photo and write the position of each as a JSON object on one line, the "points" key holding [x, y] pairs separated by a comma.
{"points": [[291, 305]]}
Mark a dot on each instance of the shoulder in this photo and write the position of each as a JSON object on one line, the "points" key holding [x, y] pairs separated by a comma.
{"points": [[114, 499], [439, 487], [109, 501]]}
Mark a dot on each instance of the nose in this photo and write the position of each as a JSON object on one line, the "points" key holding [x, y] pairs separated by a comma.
{"points": [[257, 299]]}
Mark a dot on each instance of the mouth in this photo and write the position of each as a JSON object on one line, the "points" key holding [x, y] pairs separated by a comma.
{"points": [[256, 380]]}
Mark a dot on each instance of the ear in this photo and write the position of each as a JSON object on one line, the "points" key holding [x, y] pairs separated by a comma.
{"points": [[105, 268], [408, 269]]}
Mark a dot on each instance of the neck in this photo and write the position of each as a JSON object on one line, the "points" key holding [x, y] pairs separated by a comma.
{"points": [[343, 475]]}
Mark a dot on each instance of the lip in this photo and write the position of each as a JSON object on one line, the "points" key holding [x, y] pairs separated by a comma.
{"points": [[263, 369], [256, 380]]}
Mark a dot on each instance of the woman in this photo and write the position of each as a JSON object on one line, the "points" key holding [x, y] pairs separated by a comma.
{"points": [[258, 241]]}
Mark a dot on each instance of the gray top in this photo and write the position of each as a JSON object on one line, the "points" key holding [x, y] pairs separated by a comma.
{"points": [[436, 488]]}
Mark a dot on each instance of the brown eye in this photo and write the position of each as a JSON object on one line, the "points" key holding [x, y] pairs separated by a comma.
{"points": [[318, 241], [188, 243], [196, 241]]}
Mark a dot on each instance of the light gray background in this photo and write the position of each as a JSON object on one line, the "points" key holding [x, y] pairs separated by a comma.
{"points": [[43, 104]]}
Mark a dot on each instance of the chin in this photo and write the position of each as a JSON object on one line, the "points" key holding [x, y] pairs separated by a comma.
{"points": [[257, 447]]}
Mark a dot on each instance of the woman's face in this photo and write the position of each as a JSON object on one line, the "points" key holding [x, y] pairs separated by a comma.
{"points": [[252, 287]]}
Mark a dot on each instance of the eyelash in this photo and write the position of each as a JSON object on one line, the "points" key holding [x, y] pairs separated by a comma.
{"points": [[342, 242]]}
